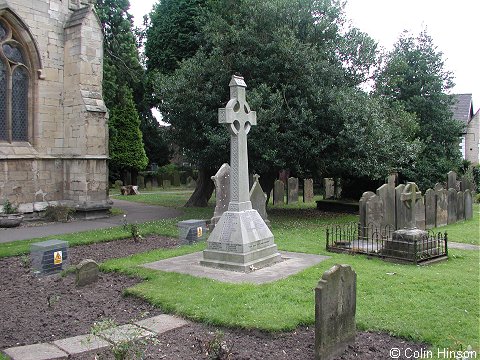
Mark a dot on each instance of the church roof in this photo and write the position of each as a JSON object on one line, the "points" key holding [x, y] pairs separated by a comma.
{"points": [[462, 108]]}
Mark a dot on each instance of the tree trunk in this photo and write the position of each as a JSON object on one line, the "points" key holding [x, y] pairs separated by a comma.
{"points": [[203, 190]]}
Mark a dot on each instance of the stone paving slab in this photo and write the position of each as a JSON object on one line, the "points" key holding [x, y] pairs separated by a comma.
{"points": [[462, 246], [80, 344], [161, 323], [190, 264], [126, 332], [36, 352]]}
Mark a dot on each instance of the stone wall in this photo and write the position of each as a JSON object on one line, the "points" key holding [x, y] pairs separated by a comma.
{"points": [[65, 158], [472, 142]]}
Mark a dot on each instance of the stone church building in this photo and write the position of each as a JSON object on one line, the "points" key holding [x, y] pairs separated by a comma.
{"points": [[53, 121]]}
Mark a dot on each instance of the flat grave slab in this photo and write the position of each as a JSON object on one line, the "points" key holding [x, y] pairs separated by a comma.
{"points": [[189, 264], [80, 344], [161, 323], [36, 352]]}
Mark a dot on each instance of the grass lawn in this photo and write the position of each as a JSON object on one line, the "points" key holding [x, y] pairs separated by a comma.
{"points": [[437, 304]]}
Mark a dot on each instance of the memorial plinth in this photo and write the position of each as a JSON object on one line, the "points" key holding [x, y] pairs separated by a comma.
{"points": [[241, 241]]}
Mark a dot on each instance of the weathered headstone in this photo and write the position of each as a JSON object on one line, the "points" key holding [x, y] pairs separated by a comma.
{"points": [[392, 180], [335, 308], [460, 206], [362, 203], [49, 257], [241, 241], [441, 208], [191, 231], [400, 208], [466, 184], [141, 181], [374, 213], [420, 214], [452, 180], [292, 190], [222, 193], [468, 205], [307, 190], [430, 209], [155, 182], [176, 178], [452, 206], [410, 196], [191, 183], [259, 199], [278, 192], [387, 193], [166, 184], [328, 188], [438, 187], [148, 185], [86, 272]]}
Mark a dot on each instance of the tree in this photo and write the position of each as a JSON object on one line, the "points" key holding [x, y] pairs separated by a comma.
{"points": [[126, 145], [294, 58], [414, 75]]}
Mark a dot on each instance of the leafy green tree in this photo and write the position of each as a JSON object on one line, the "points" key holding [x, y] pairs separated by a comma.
{"points": [[294, 56], [126, 145], [414, 75]]}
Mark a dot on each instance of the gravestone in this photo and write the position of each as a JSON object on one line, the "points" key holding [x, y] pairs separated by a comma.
{"points": [[452, 206], [452, 180], [191, 183], [438, 187], [468, 204], [460, 206], [392, 180], [166, 184], [335, 308], [292, 189], [362, 203], [400, 209], [118, 184], [466, 184], [441, 207], [410, 196], [387, 193], [241, 241], [430, 209], [222, 193], [278, 192], [49, 257], [141, 181], [420, 214], [155, 182], [259, 199], [308, 190], [176, 178], [148, 185], [87, 272], [328, 188], [374, 214], [191, 231]]}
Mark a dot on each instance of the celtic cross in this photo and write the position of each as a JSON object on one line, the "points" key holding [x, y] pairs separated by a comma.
{"points": [[410, 195], [238, 115]]}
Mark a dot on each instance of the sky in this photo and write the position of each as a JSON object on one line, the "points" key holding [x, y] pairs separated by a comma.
{"points": [[453, 25]]}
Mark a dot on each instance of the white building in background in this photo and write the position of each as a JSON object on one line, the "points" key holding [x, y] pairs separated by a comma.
{"points": [[470, 141]]}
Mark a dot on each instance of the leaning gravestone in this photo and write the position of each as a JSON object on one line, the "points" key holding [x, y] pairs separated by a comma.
{"points": [[441, 208], [86, 272], [241, 241], [387, 193], [468, 205], [374, 214], [335, 307], [400, 209], [259, 199], [452, 180], [292, 190], [278, 192], [430, 206], [460, 206], [307, 190], [222, 193], [362, 203], [452, 206]]}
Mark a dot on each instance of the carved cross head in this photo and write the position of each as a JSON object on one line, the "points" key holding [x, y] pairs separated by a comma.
{"points": [[237, 112], [411, 194]]}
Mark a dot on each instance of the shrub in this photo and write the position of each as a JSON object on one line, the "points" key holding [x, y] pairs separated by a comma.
{"points": [[58, 213]]}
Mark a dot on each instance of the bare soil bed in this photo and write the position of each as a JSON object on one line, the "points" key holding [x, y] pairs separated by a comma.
{"points": [[40, 309]]}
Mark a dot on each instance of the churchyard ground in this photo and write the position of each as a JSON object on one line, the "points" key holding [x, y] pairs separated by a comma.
{"points": [[436, 304]]}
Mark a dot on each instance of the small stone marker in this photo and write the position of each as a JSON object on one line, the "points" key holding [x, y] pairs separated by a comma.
{"points": [[87, 272], [308, 190], [191, 231], [335, 307], [278, 192], [49, 257], [292, 190]]}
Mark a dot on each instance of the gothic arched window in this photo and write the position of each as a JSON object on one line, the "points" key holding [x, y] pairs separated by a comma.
{"points": [[15, 74]]}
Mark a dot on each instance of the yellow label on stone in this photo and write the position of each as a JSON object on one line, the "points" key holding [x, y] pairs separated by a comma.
{"points": [[199, 231], [57, 258]]}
